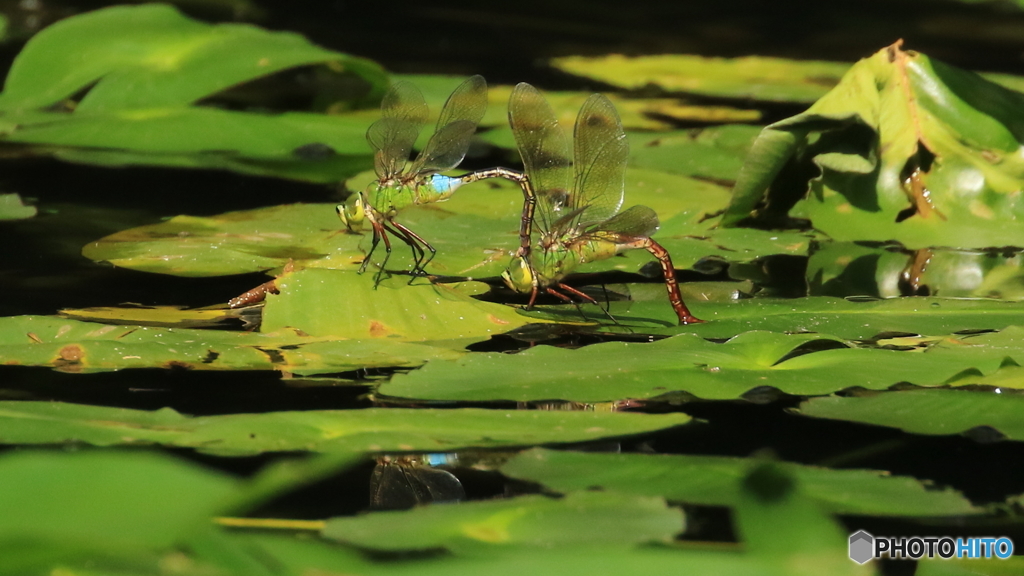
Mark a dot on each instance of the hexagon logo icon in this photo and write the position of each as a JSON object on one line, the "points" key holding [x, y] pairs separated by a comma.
{"points": [[862, 546]]}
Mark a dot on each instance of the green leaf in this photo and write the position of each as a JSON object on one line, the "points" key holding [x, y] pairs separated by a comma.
{"points": [[373, 430], [347, 305], [908, 149], [616, 370], [583, 518], [712, 153], [751, 77], [939, 412], [12, 208], [75, 94], [715, 481], [61, 505], [74, 346]]}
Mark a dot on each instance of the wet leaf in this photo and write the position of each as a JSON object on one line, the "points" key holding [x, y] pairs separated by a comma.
{"points": [[74, 346], [968, 567], [908, 149], [798, 364], [940, 412], [347, 305], [582, 518], [12, 208], [751, 77], [141, 100], [714, 481], [712, 153], [373, 430]]}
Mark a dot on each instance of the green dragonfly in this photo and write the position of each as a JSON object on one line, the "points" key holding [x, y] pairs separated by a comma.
{"points": [[578, 198], [401, 183]]}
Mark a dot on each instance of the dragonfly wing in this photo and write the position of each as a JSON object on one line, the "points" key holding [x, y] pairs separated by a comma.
{"points": [[637, 222], [403, 113], [456, 125], [545, 152], [600, 159]]}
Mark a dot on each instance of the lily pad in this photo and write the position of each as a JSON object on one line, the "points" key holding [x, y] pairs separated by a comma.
{"points": [[582, 518], [712, 153], [12, 208], [373, 430], [845, 319], [615, 371], [347, 305], [75, 346], [715, 481], [751, 77], [59, 506], [140, 100], [907, 148], [927, 411]]}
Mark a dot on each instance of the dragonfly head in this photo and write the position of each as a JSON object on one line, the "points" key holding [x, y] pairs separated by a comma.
{"points": [[519, 275], [352, 212]]}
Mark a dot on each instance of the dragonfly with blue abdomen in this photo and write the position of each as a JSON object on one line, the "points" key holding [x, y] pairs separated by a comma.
{"points": [[577, 198], [401, 183], [400, 482]]}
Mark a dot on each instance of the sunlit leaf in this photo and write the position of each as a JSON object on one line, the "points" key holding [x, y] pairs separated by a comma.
{"points": [[939, 412], [12, 208], [73, 93], [348, 305], [615, 370], [582, 518], [337, 431], [752, 77], [74, 346], [714, 481], [907, 149]]}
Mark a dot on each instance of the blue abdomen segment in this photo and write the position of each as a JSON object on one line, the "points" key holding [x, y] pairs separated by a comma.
{"points": [[444, 184], [441, 459]]}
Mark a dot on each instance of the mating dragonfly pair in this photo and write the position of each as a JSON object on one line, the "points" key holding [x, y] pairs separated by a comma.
{"points": [[572, 199]]}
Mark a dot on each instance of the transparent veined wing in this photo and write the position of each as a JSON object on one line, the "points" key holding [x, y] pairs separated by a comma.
{"points": [[601, 152], [636, 222], [544, 149], [455, 127], [403, 114]]}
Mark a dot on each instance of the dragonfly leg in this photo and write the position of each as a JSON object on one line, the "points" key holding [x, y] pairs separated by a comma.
{"points": [[565, 298], [421, 264], [588, 298], [377, 232], [417, 252], [387, 252], [674, 296]]}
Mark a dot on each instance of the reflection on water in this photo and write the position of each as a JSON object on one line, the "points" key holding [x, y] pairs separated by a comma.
{"points": [[401, 482]]}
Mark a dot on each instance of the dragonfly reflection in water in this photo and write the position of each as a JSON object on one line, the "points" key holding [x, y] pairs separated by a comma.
{"points": [[400, 183], [401, 482], [578, 198]]}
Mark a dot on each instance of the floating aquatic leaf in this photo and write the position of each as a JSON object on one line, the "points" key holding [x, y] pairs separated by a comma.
{"points": [[74, 346], [751, 77], [59, 507], [799, 364], [712, 153], [939, 412], [345, 304], [581, 518], [372, 430], [12, 208], [74, 94], [714, 481], [907, 148]]}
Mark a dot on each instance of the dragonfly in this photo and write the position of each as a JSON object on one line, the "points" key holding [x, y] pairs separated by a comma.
{"points": [[401, 482], [401, 183], [577, 199]]}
